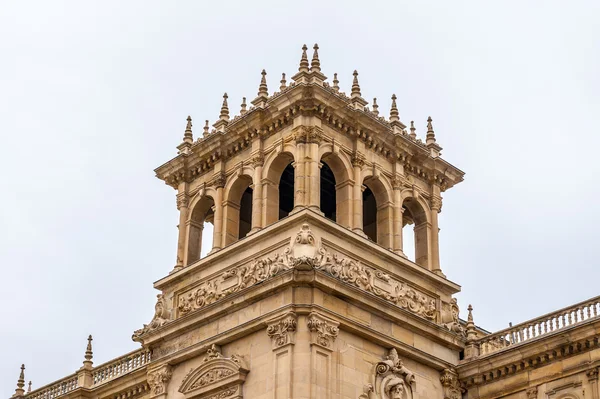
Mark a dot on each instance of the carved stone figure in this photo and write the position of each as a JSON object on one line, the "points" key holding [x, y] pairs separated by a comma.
{"points": [[454, 325], [393, 379], [161, 317]]}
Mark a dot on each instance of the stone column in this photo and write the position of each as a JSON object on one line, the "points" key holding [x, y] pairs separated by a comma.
{"points": [[218, 211], [313, 175], [257, 194], [592, 376], [398, 243], [357, 225], [299, 173], [182, 206], [436, 205]]}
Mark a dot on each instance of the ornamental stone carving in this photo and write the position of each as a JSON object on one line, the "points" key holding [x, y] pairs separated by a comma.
{"points": [[220, 180], [161, 317], [159, 378], [183, 200], [454, 324], [392, 379], [378, 283], [323, 330], [532, 393], [308, 134], [592, 374], [451, 384], [218, 377], [282, 329], [306, 253]]}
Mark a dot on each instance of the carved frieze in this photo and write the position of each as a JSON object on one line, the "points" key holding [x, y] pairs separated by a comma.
{"points": [[306, 253], [161, 317], [282, 329], [378, 283], [218, 377], [159, 378], [323, 330]]}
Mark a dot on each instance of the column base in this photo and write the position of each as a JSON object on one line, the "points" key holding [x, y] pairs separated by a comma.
{"points": [[176, 268], [401, 253], [212, 251], [439, 273], [254, 230], [360, 232]]}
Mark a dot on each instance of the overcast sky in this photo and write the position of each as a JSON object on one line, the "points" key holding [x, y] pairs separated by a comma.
{"points": [[94, 96]]}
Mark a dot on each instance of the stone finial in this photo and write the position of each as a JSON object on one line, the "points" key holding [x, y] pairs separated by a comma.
{"points": [[336, 83], [224, 116], [355, 86], [413, 134], [243, 106], [471, 329], [315, 64], [430, 139], [283, 83], [375, 107], [304, 60], [394, 114], [87, 363], [187, 135], [20, 382], [29, 387], [206, 128], [262, 88]]}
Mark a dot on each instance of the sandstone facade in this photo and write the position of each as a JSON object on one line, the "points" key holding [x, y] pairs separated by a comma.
{"points": [[306, 291]]}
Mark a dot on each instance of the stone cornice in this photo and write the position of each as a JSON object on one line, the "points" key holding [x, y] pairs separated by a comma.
{"points": [[333, 108]]}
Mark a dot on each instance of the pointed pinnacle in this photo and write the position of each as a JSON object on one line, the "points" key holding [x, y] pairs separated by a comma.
{"points": [[413, 133], [243, 106], [430, 138], [224, 116], [315, 65], [375, 107], [304, 60], [206, 128], [283, 82], [29, 387], [336, 82], [20, 382], [355, 86], [470, 316], [187, 135], [88, 350], [394, 115], [262, 88]]}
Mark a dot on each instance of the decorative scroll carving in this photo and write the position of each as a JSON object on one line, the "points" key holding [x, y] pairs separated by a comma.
{"points": [[532, 393], [159, 378], [218, 377], [308, 134], [161, 317], [368, 389], [454, 325], [357, 159], [306, 253], [282, 329], [379, 284], [183, 200], [220, 180], [393, 379], [324, 331], [592, 374], [451, 384], [258, 160], [436, 203]]}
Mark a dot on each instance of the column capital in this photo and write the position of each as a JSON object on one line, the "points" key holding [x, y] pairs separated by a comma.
{"points": [[358, 160], [219, 180], [323, 330], [183, 200], [282, 329]]}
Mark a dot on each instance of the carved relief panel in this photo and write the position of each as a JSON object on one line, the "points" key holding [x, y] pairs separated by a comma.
{"points": [[218, 377]]}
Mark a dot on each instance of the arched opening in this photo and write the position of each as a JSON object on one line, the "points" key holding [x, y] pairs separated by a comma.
{"points": [[286, 191], [237, 209], [245, 213], [415, 215], [328, 201], [197, 237], [369, 214]]}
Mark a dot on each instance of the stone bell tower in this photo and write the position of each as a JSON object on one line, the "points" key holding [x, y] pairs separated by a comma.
{"points": [[306, 291]]}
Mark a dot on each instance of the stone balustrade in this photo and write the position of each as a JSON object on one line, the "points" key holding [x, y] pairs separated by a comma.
{"points": [[123, 365], [100, 374], [55, 389], [540, 326]]}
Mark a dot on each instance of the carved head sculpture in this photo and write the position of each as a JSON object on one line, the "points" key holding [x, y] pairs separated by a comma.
{"points": [[395, 388]]}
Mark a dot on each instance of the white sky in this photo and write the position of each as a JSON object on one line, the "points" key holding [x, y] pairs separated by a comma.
{"points": [[94, 96]]}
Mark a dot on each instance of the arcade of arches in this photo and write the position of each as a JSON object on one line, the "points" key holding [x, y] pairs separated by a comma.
{"points": [[372, 208]]}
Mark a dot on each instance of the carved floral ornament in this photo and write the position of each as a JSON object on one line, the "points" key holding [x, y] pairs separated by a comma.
{"points": [[324, 331], [392, 380], [451, 384], [159, 378], [218, 377], [161, 317], [282, 329]]}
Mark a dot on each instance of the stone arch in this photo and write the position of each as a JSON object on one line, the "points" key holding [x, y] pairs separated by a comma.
{"points": [[382, 213], [416, 211], [202, 211], [341, 168], [237, 208], [278, 186]]}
